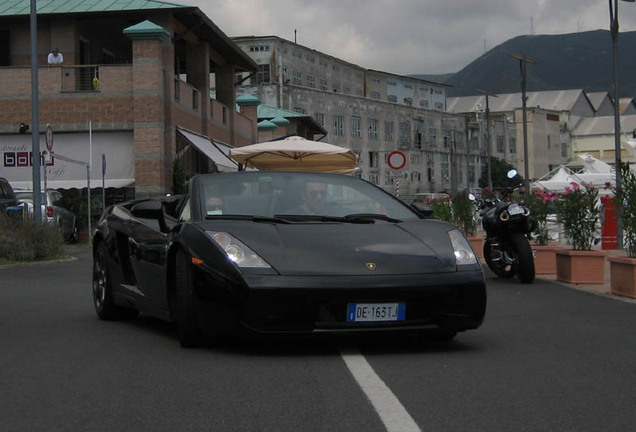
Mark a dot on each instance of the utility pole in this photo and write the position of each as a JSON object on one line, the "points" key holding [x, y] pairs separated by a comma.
{"points": [[524, 99], [488, 139], [35, 117]]}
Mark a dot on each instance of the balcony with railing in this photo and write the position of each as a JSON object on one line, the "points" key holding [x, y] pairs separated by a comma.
{"points": [[68, 94]]}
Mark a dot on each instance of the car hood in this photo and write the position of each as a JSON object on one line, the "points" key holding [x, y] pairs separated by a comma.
{"points": [[347, 248]]}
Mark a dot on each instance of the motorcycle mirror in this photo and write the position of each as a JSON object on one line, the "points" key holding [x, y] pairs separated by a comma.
{"points": [[512, 173], [472, 197]]}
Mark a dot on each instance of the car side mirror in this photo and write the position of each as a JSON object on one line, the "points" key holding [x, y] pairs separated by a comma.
{"points": [[150, 209]]}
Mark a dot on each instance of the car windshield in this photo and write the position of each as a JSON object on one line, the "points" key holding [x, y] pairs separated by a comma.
{"points": [[297, 196]]}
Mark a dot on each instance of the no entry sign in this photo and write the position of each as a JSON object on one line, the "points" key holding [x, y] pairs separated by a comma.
{"points": [[396, 160]]}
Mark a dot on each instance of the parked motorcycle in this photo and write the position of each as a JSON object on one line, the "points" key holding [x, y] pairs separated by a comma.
{"points": [[508, 225]]}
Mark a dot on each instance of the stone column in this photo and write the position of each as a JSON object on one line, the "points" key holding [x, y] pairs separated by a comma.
{"points": [[152, 162]]}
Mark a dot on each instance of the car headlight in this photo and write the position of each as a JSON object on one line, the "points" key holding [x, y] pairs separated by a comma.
{"points": [[236, 251], [463, 252]]}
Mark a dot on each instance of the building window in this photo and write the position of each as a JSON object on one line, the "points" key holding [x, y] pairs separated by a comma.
{"points": [[374, 178], [439, 106], [373, 159], [355, 127], [299, 110], [408, 101], [388, 131], [261, 76], [564, 149], [512, 143], [430, 166], [257, 48], [320, 118], [424, 103], [500, 144], [311, 82], [445, 169], [404, 136], [195, 99], [373, 129], [446, 139], [432, 135], [338, 125], [323, 83], [392, 98], [375, 95], [298, 77]]}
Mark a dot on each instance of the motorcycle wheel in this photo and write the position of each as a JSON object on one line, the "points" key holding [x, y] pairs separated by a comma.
{"points": [[525, 260], [499, 268]]}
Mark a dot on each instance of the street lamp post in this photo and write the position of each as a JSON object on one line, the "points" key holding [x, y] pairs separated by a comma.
{"points": [[613, 10], [526, 164], [488, 139]]}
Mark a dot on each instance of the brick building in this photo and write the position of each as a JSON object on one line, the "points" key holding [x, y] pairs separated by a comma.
{"points": [[134, 85]]}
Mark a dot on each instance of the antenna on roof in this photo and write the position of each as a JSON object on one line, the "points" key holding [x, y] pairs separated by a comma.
{"points": [[532, 26]]}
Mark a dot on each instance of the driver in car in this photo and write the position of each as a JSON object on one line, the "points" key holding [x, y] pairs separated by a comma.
{"points": [[313, 196]]}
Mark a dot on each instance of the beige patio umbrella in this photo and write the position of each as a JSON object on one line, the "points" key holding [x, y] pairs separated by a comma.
{"points": [[296, 154]]}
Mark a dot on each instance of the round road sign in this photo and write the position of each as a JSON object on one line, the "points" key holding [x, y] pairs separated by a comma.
{"points": [[396, 160], [49, 137]]}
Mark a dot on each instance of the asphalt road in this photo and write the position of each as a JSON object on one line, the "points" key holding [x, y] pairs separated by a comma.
{"points": [[548, 358]]}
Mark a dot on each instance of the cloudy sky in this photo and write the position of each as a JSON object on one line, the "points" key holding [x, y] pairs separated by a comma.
{"points": [[409, 36]]}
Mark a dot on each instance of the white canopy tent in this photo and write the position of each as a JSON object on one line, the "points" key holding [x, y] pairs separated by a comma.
{"points": [[595, 173]]}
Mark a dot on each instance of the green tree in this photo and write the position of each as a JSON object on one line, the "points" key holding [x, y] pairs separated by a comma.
{"points": [[499, 169]]}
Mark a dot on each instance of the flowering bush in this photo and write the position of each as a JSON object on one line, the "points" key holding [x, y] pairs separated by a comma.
{"points": [[464, 214], [540, 202], [577, 211], [625, 200], [442, 209]]}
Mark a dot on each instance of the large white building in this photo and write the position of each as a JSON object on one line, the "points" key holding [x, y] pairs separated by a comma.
{"points": [[371, 112]]}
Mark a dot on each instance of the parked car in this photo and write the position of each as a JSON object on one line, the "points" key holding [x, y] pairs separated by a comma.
{"points": [[285, 253], [53, 212], [7, 196]]}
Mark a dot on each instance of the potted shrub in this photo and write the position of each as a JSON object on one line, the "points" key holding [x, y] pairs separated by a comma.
{"points": [[463, 212], [623, 268], [540, 203], [577, 211]]}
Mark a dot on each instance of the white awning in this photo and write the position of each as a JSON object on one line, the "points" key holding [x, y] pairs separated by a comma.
{"points": [[71, 152], [215, 151], [75, 184]]}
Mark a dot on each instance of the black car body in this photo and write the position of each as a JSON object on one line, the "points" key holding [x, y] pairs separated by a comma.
{"points": [[261, 263]]}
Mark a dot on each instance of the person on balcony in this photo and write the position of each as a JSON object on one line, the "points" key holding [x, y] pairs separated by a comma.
{"points": [[55, 57]]}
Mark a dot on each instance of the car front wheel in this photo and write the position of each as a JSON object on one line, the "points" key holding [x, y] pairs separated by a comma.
{"points": [[102, 291]]}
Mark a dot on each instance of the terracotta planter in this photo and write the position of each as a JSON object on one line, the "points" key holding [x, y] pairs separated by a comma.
{"points": [[622, 276], [580, 267], [478, 244], [545, 258]]}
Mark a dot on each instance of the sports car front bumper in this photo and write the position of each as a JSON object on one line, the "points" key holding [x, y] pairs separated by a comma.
{"points": [[307, 304]]}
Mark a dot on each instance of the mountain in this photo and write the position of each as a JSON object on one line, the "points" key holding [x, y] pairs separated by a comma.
{"points": [[568, 61]]}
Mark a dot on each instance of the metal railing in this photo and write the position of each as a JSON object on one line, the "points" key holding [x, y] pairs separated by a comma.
{"points": [[80, 78]]}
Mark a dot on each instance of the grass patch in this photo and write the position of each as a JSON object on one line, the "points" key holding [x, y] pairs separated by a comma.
{"points": [[22, 241]]}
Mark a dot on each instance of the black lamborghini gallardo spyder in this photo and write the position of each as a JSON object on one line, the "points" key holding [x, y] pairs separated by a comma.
{"points": [[285, 253]]}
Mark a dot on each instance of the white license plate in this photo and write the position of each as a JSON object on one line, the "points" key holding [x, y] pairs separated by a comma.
{"points": [[515, 210], [369, 312]]}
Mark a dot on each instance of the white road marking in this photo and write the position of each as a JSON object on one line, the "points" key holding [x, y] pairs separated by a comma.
{"points": [[391, 412]]}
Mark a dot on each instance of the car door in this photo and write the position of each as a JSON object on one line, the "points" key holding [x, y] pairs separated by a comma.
{"points": [[147, 249]]}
